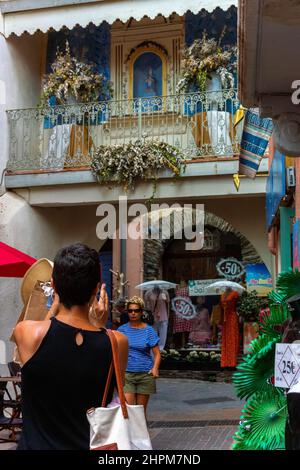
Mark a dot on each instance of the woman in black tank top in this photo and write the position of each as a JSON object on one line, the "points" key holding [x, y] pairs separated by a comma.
{"points": [[65, 374]]}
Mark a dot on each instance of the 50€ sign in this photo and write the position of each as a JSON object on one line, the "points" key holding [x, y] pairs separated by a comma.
{"points": [[230, 268], [184, 308]]}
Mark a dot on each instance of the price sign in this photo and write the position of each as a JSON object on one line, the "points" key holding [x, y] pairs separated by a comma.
{"points": [[184, 308], [230, 268], [287, 364]]}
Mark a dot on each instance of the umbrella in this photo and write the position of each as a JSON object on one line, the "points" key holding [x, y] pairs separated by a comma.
{"points": [[220, 286], [13, 263], [151, 284]]}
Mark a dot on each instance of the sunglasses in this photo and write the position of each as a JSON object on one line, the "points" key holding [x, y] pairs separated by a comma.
{"points": [[134, 310]]}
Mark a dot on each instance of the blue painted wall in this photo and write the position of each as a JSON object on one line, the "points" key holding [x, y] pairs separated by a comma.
{"points": [[213, 23], [90, 45]]}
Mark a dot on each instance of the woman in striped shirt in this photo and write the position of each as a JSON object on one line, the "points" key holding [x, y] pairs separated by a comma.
{"points": [[141, 370]]}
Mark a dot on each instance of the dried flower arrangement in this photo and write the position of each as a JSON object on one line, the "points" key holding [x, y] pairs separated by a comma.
{"points": [[72, 78], [204, 57], [124, 164]]}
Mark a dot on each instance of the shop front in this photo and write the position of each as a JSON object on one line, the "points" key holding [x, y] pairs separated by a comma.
{"points": [[197, 324]]}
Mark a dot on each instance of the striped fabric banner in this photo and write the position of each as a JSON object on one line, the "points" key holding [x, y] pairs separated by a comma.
{"points": [[256, 135]]}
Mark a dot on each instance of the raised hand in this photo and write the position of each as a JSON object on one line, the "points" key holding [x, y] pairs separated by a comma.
{"points": [[99, 311]]}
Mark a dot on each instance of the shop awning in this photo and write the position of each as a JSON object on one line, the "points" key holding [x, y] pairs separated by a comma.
{"points": [[13, 263], [27, 17]]}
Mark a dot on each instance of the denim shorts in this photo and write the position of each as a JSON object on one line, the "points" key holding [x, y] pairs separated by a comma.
{"points": [[139, 382]]}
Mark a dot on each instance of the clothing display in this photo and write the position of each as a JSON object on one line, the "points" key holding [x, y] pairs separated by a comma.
{"points": [[157, 301], [215, 321], [230, 330], [200, 328]]}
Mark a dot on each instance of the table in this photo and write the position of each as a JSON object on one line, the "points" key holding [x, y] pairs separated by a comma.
{"points": [[15, 379]]}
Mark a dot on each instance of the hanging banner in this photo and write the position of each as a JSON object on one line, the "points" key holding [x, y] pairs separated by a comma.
{"points": [[198, 288], [296, 246], [259, 279]]}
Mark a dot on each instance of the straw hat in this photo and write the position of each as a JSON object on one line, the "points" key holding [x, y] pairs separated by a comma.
{"points": [[41, 270]]}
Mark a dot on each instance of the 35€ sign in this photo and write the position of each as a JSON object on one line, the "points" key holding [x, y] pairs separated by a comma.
{"points": [[287, 364]]}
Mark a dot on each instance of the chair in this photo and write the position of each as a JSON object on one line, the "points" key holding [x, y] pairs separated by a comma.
{"points": [[15, 370], [10, 420]]}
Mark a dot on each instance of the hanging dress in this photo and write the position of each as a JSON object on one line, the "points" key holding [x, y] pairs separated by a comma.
{"points": [[230, 330]]}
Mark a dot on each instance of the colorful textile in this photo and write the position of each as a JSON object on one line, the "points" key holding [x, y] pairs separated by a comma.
{"points": [[255, 139]]}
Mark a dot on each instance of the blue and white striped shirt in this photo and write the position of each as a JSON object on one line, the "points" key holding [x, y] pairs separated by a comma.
{"points": [[140, 341]]}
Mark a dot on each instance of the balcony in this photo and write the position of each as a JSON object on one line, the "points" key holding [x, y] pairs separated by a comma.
{"points": [[58, 138]]}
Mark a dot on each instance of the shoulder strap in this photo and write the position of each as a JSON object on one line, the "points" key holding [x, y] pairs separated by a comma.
{"points": [[115, 366]]}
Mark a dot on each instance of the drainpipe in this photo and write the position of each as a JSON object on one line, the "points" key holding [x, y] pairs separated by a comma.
{"points": [[2, 185], [286, 213], [123, 257]]}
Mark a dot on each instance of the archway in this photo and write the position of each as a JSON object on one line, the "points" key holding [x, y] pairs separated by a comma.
{"points": [[154, 248]]}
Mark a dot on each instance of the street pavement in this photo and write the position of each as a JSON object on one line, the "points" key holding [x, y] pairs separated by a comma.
{"points": [[188, 414]]}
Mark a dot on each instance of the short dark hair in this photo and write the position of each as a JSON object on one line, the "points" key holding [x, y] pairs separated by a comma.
{"points": [[76, 273]]}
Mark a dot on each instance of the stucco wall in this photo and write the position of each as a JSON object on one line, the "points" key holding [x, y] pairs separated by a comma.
{"points": [[40, 232], [21, 68]]}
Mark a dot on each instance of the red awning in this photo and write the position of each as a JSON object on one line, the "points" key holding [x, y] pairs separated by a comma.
{"points": [[13, 263]]}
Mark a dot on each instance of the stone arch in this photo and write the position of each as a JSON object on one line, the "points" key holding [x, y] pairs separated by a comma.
{"points": [[154, 249]]}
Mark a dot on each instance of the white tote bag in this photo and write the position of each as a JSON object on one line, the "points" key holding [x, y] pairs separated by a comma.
{"points": [[121, 426]]}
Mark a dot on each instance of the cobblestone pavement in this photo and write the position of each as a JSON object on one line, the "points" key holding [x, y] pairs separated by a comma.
{"points": [[188, 414], [193, 438], [193, 415]]}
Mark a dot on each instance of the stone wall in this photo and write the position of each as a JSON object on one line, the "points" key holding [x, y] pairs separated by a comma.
{"points": [[154, 249]]}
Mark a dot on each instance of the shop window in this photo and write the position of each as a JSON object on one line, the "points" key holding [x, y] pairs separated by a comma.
{"points": [[211, 240]]}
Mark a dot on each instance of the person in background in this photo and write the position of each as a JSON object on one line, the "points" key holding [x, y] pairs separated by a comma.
{"points": [[65, 359], [141, 371]]}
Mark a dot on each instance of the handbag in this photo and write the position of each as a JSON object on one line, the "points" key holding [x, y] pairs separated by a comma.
{"points": [[119, 426]]}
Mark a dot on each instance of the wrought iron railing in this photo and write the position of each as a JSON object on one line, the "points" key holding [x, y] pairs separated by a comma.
{"points": [[57, 137]]}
